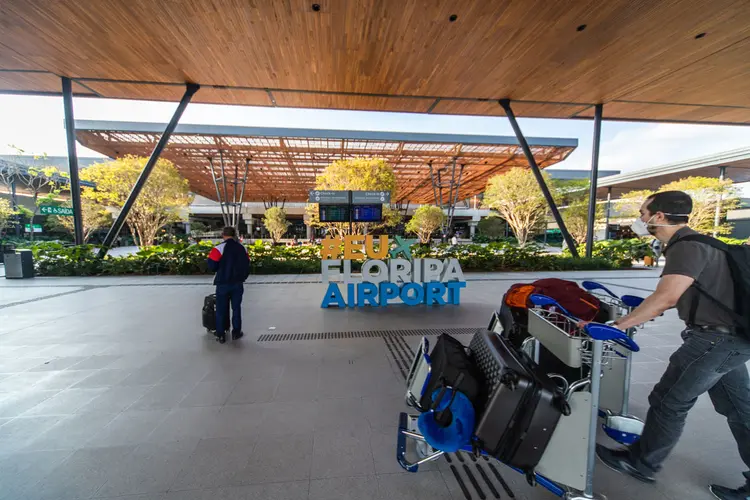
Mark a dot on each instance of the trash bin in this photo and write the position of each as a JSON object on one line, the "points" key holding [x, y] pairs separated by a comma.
{"points": [[19, 265], [6, 248]]}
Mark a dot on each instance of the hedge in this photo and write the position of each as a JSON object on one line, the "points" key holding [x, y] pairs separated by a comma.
{"points": [[56, 259]]}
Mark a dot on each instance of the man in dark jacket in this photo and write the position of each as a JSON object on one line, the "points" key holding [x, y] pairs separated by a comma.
{"points": [[230, 262]]}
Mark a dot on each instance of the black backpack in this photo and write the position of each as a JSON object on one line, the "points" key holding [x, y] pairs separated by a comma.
{"points": [[738, 258]]}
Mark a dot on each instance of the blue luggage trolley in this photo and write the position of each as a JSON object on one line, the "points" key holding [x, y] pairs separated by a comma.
{"points": [[567, 465]]}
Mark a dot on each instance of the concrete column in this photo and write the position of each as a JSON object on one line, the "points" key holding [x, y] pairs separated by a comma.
{"points": [[472, 229], [248, 218]]}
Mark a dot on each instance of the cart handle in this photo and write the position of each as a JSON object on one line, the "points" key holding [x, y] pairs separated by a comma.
{"points": [[597, 331], [593, 285], [632, 301], [543, 300]]}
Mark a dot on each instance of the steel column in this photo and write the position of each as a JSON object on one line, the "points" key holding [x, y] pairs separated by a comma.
{"points": [[242, 194], [593, 179], [235, 214], [717, 215], [505, 103], [454, 200], [227, 222], [190, 89], [609, 209], [75, 183], [432, 180], [14, 205], [216, 185]]}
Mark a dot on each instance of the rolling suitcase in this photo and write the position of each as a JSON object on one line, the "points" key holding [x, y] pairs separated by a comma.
{"points": [[519, 406], [209, 314]]}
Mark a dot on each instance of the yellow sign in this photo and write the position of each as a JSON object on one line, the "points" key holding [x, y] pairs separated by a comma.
{"points": [[352, 247]]}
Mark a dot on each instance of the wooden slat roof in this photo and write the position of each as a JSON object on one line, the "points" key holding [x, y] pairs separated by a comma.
{"points": [[284, 162], [676, 60]]}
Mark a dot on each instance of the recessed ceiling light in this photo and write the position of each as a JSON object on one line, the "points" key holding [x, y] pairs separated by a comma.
{"points": [[453, 18], [699, 36], [316, 7], [581, 27]]}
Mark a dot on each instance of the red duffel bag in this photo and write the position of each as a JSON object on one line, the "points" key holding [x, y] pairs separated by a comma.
{"points": [[572, 297]]}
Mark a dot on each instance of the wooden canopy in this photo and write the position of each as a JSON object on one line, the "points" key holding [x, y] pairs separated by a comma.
{"points": [[677, 60], [283, 163]]}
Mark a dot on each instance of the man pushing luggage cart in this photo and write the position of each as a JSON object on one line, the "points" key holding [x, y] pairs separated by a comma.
{"points": [[707, 282]]}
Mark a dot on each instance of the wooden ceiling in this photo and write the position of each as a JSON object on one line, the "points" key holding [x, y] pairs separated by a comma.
{"points": [[668, 60], [284, 163]]}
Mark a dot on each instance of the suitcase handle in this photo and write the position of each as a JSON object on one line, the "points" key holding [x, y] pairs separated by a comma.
{"points": [[593, 285], [542, 300], [607, 333]]}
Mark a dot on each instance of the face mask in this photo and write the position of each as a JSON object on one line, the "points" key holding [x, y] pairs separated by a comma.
{"points": [[640, 228]]}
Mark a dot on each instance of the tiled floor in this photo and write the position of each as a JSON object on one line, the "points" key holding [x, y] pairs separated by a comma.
{"points": [[109, 388]]}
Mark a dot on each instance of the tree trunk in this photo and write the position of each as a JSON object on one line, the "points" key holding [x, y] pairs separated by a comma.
{"points": [[31, 222]]}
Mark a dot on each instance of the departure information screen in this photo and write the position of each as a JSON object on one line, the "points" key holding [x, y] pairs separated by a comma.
{"points": [[334, 213], [367, 213]]}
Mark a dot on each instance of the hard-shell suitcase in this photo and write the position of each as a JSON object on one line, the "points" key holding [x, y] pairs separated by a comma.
{"points": [[209, 314], [519, 406], [448, 359]]}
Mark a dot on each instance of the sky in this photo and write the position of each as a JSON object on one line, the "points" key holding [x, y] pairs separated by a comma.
{"points": [[35, 124]]}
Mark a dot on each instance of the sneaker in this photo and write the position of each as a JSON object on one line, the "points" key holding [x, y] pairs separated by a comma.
{"points": [[724, 493], [237, 335], [620, 461], [220, 337]]}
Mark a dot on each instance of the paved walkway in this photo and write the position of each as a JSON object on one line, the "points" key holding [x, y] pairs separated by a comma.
{"points": [[109, 388]]}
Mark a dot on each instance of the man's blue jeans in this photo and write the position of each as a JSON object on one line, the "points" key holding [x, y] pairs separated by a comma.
{"points": [[226, 294], [706, 362]]}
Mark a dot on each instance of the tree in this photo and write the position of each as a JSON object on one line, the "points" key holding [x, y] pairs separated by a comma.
{"points": [[93, 216], [576, 217], [164, 198], [426, 220], [275, 221], [6, 214], [356, 174], [516, 196], [629, 204], [572, 195], [492, 227], [705, 192], [38, 180], [8, 173]]}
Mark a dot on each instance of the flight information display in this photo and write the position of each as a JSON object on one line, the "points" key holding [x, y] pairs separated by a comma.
{"points": [[367, 213], [334, 213]]}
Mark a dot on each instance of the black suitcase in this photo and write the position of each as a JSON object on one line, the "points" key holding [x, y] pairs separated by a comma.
{"points": [[209, 314], [519, 406], [448, 360]]}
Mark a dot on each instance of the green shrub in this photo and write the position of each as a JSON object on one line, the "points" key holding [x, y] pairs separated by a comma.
{"points": [[56, 259], [508, 257], [483, 238], [620, 252]]}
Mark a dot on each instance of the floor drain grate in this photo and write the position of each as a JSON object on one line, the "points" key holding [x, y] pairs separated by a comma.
{"points": [[286, 337]]}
